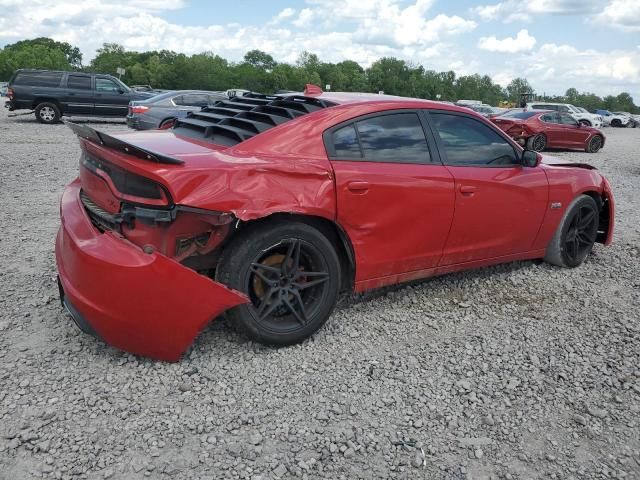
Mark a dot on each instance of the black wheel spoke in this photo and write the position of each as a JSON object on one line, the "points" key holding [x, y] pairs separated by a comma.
{"points": [[291, 261], [318, 278], [587, 219], [266, 306], [302, 316], [259, 269]]}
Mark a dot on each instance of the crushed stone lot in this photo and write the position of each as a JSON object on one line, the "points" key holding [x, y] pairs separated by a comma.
{"points": [[520, 371]]}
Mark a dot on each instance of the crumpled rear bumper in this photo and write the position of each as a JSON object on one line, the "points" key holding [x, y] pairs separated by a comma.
{"points": [[146, 304]]}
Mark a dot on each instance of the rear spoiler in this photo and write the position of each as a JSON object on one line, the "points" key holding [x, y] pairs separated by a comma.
{"points": [[101, 138]]}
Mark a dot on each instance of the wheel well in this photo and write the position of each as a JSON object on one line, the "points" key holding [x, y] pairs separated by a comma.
{"points": [[604, 217], [40, 100], [334, 233]]}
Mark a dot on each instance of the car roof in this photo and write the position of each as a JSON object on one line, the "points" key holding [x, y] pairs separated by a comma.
{"points": [[353, 98]]}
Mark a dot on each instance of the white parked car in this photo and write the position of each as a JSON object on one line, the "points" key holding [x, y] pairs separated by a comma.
{"points": [[613, 119], [584, 117], [631, 119], [3, 89]]}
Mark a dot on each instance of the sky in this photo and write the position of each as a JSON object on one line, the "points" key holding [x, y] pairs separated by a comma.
{"points": [[592, 45]]}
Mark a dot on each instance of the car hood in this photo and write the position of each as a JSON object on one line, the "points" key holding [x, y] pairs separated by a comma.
{"points": [[558, 162]]}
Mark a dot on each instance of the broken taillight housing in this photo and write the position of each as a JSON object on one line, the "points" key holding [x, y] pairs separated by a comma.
{"points": [[126, 185], [10, 93]]}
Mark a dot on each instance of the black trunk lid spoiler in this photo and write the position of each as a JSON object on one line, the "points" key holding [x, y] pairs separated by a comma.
{"points": [[101, 138]]}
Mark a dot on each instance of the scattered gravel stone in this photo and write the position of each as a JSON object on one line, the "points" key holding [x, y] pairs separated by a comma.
{"points": [[515, 371]]}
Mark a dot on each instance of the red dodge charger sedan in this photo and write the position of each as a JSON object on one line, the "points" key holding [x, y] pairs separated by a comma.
{"points": [[266, 207], [541, 129]]}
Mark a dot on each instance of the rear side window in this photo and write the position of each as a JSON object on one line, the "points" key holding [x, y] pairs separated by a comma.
{"points": [[468, 142], [192, 100], [550, 118], [391, 138], [396, 138], [345, 143], [81, 82], [38, 79]]}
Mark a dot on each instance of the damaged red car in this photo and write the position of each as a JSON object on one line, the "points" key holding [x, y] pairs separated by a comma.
{"points": [[267, 207], [541, 129]]}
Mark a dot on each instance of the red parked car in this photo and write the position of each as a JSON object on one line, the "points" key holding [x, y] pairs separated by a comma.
{"points": [[541, 129], [267, 207]]}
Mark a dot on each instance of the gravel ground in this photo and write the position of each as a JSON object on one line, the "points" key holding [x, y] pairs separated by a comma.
{"points": [[520, 371]]}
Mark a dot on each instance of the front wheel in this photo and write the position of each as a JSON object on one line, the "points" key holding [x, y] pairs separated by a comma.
{"points": [[576, 234], [594, 144], [585, 123], [291, 274]]}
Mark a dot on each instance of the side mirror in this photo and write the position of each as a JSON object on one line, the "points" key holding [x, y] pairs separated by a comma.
{"points": [[529, 158]]}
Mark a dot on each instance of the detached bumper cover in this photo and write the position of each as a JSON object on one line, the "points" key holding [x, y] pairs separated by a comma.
{"points": [[145, 304]]}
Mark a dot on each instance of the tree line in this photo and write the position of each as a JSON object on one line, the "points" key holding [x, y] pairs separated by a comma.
{"points": [[258, 71]]}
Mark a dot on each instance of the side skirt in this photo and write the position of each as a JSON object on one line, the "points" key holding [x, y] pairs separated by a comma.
{"points": [[373, 283]]}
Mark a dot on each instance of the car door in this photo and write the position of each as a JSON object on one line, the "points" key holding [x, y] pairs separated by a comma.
{"points": [[575, 134], [110, 98], [554, 130], [78, 96], [499, 204], [394, 197]]}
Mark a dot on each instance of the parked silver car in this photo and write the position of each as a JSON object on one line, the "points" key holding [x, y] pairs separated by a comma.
{"points": [[161, 110]]}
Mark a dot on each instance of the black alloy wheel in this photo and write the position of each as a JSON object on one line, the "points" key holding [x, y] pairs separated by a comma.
{"points": [[287, 284], [538, 143], [291, 274], [595, 144], [581, 234]]}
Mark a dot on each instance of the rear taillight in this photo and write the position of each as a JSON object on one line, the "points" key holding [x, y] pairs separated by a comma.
{"points": [[137, 109], [126, 185], [10, 93]]}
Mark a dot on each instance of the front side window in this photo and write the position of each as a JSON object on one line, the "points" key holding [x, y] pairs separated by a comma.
{"points": [[106, 85], [566, 119], [82, 82], [468, 142]]}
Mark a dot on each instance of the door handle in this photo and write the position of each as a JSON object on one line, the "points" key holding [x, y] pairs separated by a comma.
{"points": [[358, 187], [467, 189]]}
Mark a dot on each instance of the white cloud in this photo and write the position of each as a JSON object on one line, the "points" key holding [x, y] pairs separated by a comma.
{"points": [[623, 14], [283, 15], [515, 10], [522, 43], [336, 30], [304, 18]]}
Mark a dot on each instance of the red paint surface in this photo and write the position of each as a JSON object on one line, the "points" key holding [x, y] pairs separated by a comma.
{"points": [[403, 221], [145, 304]]}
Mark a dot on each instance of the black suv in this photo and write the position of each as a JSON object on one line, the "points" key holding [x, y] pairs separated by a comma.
{"points": [[53, 94]]}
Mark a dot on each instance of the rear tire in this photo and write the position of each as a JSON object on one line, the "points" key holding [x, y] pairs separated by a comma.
{"points": [[537, 143], [575, 235], [291, 274], [616, 122], [166, 124], [594, 145], [47, 113]]}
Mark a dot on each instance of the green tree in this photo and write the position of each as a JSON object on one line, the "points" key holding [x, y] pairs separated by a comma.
{"points": [[516, 87]]}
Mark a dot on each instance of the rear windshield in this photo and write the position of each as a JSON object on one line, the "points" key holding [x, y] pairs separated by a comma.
{"points": [[520, 115], [38, 79]]}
